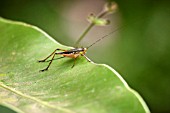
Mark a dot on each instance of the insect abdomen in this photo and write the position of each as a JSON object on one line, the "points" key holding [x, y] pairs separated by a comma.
{"points": [[71, 55]]}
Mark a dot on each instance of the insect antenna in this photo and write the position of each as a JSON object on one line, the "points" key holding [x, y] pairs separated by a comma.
{"points": [[118, 28]]}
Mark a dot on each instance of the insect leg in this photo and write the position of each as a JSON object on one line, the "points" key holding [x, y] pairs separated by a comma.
{"points": [[50, 55], [55, 59], [87, 58], [74, 63], [49, 63]]}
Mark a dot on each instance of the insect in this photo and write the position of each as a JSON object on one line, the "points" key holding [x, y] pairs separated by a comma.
{"points": [[73, 53], [76, 52]]}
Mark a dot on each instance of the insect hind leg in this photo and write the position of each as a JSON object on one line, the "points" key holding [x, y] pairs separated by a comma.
{"points": [[49, 63], [51, 54], [55, 59]]}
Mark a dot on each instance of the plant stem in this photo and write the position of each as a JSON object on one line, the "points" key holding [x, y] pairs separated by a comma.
{"points": [[84, 33], [88, 28]]}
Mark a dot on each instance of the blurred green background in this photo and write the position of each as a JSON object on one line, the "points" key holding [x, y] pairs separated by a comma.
{"points": [[140, 52]]}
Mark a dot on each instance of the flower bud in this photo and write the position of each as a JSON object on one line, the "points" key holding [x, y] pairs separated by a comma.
{"points": [[110, 7]]}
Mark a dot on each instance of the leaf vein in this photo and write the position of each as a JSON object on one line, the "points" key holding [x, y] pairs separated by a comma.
{"points": [[35, 99]]}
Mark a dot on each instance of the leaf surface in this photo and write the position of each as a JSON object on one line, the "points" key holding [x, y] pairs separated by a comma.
{"points": [[86, 88]]}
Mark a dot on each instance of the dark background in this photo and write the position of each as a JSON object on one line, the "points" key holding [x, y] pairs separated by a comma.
{"points": [[140, 52]]}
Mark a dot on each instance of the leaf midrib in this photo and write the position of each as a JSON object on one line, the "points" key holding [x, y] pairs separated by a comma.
{"points": [[35, 99]]}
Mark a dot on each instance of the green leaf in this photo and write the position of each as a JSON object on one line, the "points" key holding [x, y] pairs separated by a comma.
{"points": [[86, 88]]}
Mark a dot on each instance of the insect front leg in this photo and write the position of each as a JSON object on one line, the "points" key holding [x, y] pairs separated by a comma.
{"points": [[87, 58], [51, 55]]}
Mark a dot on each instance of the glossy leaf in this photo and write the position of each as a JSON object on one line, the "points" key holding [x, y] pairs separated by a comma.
{"points": [[86, 88]]}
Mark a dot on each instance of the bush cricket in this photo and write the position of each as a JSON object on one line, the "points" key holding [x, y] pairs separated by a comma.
{"points": [[76, 52], [73, 53]]}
